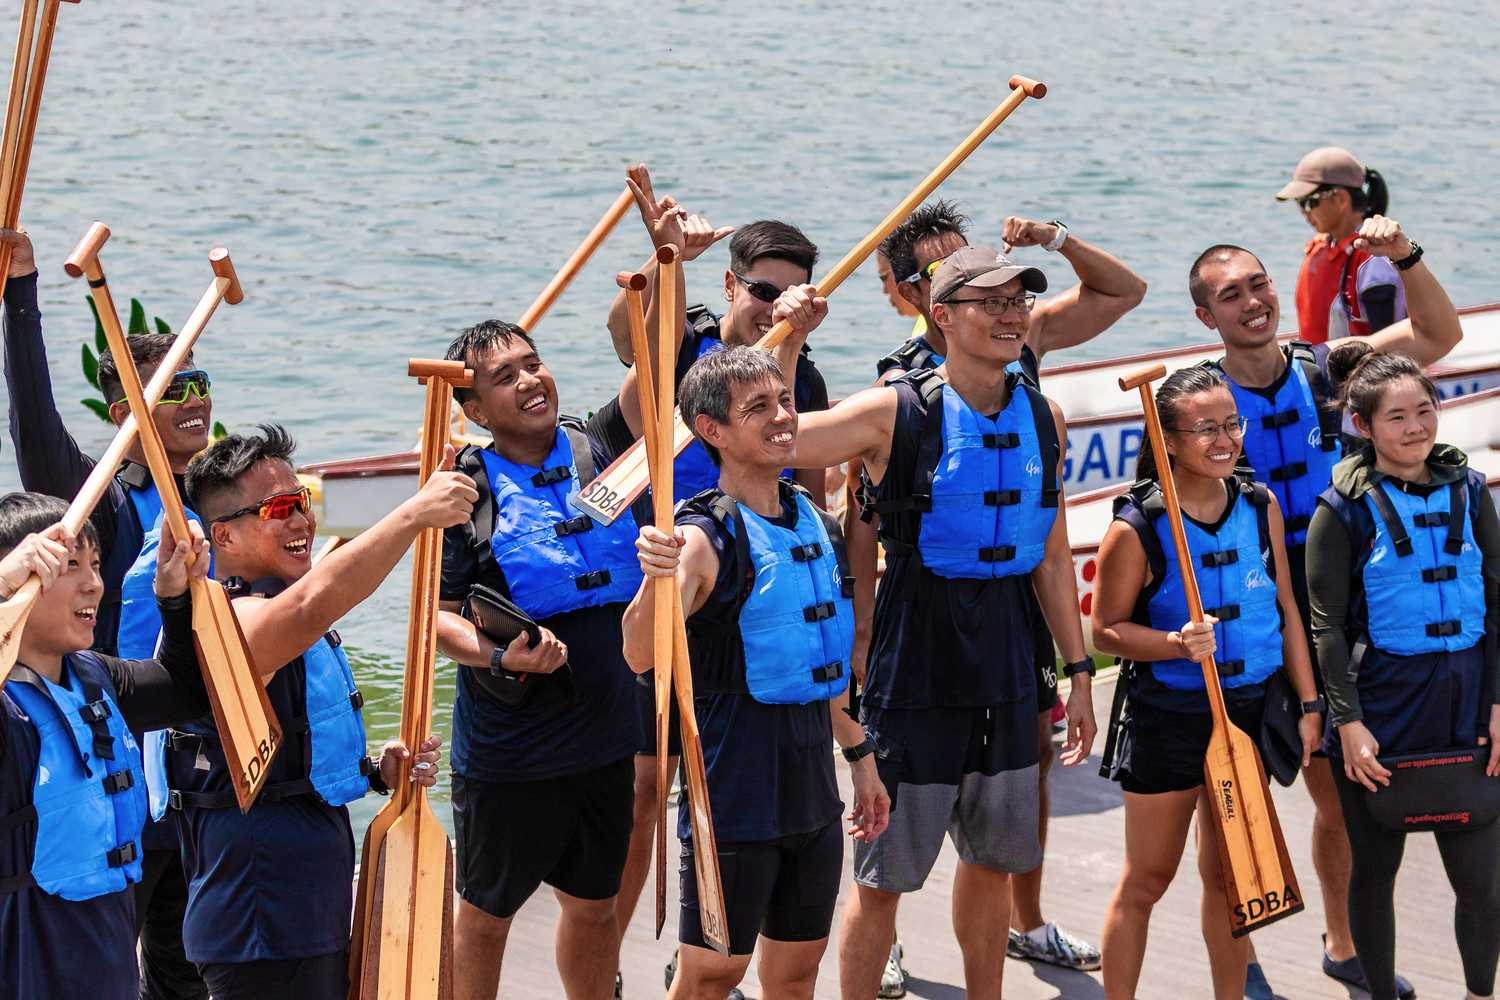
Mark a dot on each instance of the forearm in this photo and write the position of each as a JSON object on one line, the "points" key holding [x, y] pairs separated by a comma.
{"points": [[460, 640], [1140, 643], [1435, 328], [1102, 272], [1488, 537], [1056, 589], [862, 545], [639, 628], [1329, 578], [157, 693], [847, 732]]}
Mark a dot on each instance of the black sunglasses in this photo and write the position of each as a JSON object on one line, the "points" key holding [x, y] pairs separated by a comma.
{"points": [[764, 291]]}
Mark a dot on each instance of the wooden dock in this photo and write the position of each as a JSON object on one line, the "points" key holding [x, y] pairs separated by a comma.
{"points": [[1083, 864]]}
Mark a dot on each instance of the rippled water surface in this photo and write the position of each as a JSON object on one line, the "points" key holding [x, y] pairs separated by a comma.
{"points": [[385, 173]]}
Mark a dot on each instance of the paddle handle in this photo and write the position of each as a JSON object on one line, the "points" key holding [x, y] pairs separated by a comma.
{"points": [[574, 263], [452, 372], [1141, 381], [1021, 88], [223, 267], [633, 281]]}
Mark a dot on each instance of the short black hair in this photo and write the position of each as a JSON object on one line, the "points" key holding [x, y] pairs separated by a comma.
{"points": [[1196, 287], [485, 336], [145, 349], [938, 218], [23, 514], [213, 475], [769, 238]]}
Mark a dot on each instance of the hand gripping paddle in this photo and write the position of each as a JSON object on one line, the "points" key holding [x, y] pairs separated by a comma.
{"points": [[403, 908], [1259, 884], [247, 725]]}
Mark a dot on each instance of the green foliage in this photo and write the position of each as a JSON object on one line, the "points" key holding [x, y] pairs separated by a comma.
{"points": [[97, 406], [137, 326], [219, 431], [90, 367]]}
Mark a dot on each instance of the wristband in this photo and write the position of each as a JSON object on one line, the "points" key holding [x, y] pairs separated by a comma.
{"points": [[1410, 260], [377, 780], [855, 754], [1056, 243], [1085, 665], [1315, 707]]}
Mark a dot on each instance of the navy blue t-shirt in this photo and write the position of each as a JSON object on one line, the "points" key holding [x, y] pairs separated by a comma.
{"points": [[770, 767], [574, 722]]}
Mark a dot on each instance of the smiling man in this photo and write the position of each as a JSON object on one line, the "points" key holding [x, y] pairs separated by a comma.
{"points": [[1292, 442], [542, 770]]}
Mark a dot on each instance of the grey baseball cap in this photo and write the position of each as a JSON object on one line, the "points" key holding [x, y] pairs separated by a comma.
{"points": [[982, 267], [1325, 165]]}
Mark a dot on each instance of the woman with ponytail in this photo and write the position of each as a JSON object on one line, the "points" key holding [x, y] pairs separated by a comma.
{"points": [[1159, 738], [1342, 290], [1403, 558]]}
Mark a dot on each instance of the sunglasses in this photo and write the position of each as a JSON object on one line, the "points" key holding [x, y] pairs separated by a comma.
{"points": [[762, 291], [194, 381], [275, 508], [926, 272], [998, 305], [1208, 431], [1312, 201]]}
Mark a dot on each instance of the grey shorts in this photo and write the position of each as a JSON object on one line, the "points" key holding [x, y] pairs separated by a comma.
{"points": [[968, 773]]}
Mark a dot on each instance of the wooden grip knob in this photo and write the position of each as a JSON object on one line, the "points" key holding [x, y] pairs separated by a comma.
{"points": [[218, 259], [87, 250], [634, 280], [1141, 376], [452, 372], [1033, 88], [667, 254]]}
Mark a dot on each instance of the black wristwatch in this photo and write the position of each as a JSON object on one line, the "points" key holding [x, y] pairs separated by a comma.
{"points": [[496, 656], [854, 754], [377, 780], [1080, 666], [1410, 260], [1315, 707]]}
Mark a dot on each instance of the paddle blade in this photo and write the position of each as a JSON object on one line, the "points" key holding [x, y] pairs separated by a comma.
{"points": [[413, 909], [369, 861], [246, 722], [1260, 886], [611, 493], [13, 615]]}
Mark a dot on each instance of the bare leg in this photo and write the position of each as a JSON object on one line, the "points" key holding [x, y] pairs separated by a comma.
{"points": [[588, 946], [1227, 955], [703, 974], [1156, 829], [478, 952], [981, 920], [1026, 888], [642, 838], [789, 969], [1331, 857], [865, 940]]}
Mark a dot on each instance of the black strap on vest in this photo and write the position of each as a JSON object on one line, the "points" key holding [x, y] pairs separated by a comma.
{"points": [[914, 355], [1453, 520]]}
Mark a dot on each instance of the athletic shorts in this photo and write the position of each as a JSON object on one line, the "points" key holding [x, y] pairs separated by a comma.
{"points": [[571, 832], [967, 773], [323, 977], [784, 889], [1046, 658], [645, 704], [1164, 750]]}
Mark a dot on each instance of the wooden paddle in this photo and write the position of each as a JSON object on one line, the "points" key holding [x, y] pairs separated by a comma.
{"points": [[21, 115], [14, 612], [574, 264], [618, 486], [403, 914], [1259, 884], [246, 722], [673, 668]]}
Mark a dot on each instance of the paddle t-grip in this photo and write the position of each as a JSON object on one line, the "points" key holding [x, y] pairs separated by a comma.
{"points": [[1141, 376], [633, 280], [1033, 88], [667, 254], [87, 250], [218, 259], [452, 372]]}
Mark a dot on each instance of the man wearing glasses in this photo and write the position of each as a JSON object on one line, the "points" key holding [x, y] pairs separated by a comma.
{"points": [[128, 525]]}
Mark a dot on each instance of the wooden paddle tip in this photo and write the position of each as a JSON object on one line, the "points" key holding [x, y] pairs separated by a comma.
{"points": [[452, 372], [218, 259], [1033, 88], [667, 254], [633, 280], [87, 250], [1142, 376]]}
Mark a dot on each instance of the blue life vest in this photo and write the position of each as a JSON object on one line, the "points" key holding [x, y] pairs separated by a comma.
{"points": [[1292, 441], [87, 800], [550, 562], [985, 488], [330, 722], [796, 616], [1423, 573], [1235, 570]]}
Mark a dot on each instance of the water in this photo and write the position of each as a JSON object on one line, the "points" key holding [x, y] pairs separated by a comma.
{"points": [[386, 173]]}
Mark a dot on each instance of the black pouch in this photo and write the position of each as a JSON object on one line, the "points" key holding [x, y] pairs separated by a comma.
{"points": [[501, 620], [1280, 742], [1442, 790]]}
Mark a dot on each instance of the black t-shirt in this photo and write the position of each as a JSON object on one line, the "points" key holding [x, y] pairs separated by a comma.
{"points": [[568, 726], [770, 767]]}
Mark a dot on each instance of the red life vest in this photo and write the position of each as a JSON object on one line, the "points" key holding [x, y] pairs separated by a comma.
{"points": [[1328, 292]]}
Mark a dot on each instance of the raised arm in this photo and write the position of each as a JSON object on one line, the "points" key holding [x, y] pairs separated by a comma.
{"points": [[860, 426], [1107, 289], [689, 556], [1431, 328]]}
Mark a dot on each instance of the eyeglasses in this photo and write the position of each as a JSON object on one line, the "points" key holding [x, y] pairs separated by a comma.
{"points": [[926, 272], [195, 381], [1309, 202], [761, 290], [1208, 432], [275, 508], [998, 305]]}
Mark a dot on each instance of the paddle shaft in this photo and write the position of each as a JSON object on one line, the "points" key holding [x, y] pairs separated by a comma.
{"points": [[18, 159], [565, 275]]}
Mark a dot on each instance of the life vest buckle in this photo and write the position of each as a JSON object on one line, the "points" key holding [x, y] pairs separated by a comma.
{"points": [[1276, 421], [1285, 473], [808, 552], [122, 855], [556, 474], [1009, 439], [828, 672], [818, 612], [334, 639], [174, 800], [1443, 630], [1002, 498], [846, 586], [95, 712], [357, 700], [119, 782], [1226, 613], [1229, 668], [997, 553], [1214, 560], [1431, 519], [1440, 574], [592, 581], [573, 526]]}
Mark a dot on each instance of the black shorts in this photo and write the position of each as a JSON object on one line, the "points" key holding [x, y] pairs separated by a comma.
{"points": [[571, 832], [645, 703], [1046, 657], [786, 889], [1163, 750], [323, 977]]}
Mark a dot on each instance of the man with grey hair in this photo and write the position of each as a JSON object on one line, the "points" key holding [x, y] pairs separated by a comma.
{"points": [[769, 628]]}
